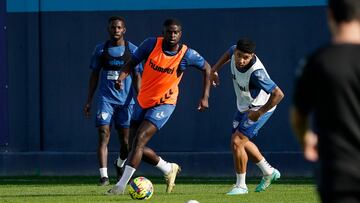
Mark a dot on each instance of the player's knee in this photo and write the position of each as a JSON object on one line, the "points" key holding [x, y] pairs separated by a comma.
{"points": [[104, 136], [237, 143], [140, 140], [141, 137], [234, 145], [104, 132]]}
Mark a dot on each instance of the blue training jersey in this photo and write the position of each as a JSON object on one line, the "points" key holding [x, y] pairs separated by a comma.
{"points": [[259, 80], [107, 91], [191, 57]]}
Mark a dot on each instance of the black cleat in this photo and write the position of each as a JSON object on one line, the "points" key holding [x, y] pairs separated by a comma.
{"points": [[119, 170], [104, 181]]}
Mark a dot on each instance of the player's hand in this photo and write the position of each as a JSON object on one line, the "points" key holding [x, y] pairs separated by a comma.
{"points": [[87, 110], [119, 85], [214, 78], [203, 104], [254, 115], [310, 146]]}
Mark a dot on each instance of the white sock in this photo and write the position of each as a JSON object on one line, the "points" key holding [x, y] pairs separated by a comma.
{"points": [[103, 172], [128, 172], [120, 163], [265, 167], [240, 180], [164, 166]]}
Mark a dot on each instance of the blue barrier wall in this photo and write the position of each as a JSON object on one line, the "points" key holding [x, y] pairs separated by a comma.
{"points": [[3, 78], [48, 57]]}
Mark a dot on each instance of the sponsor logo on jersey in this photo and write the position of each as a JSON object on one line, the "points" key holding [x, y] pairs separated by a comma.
{"points": [[115, 62], [242, 88], [160, 69]]}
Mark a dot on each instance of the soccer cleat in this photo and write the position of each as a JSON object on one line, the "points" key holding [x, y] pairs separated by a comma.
{"points": [[267, 180], [237, 190], [115, 191], [170, 177], [104, 181], [119, 170]]}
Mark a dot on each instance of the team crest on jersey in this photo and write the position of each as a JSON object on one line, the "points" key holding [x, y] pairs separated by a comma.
{"points": [[248, 123], [235, 124], [104, 115]]}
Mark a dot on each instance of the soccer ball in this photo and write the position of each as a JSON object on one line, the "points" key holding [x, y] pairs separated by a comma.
{"points": [[141, 188]]}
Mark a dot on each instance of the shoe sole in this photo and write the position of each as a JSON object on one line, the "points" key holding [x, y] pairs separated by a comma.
{"points": [[245, 193]]}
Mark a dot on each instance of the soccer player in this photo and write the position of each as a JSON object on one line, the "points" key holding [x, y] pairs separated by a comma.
{"points": [[326, 109], [165, 61], [256, 98], [113, 106]]}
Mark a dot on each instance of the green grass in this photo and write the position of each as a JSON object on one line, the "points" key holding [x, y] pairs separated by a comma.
{"points": [[84, 189]]}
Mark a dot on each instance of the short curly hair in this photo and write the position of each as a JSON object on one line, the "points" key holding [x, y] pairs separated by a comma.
{"points": [[246, 45]]}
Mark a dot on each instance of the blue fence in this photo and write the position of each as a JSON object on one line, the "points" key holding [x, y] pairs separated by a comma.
{"points": [[48, 58], [124, 5], [3, 78]]}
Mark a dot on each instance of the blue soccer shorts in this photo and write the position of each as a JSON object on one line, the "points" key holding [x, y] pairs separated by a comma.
{"points": [[249, 128], [108, 113], [157, 115]]}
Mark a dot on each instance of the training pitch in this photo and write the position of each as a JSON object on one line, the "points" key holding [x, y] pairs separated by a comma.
{"points": [[205, 190]]}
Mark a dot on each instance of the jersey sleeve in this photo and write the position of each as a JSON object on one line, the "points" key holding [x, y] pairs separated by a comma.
{"points": [[192, 58], [262, 81], [231, 50], [95, 58], [144, 50], [133, 48]]}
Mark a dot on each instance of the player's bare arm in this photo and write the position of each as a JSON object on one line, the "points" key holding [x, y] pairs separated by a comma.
{"points": [[204, 101], [129, 66], [276, 96], [306, 137], [136, 81], [93, 82], [214, 76]]}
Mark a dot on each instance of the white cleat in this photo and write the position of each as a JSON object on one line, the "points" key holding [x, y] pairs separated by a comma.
{"points": [[237, 190], [170, 177], [266, 181]]}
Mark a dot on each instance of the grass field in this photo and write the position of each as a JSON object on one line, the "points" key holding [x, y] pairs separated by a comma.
{"points": [[84, 189]]}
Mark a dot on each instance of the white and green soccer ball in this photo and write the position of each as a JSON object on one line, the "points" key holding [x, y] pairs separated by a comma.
{"points": [[141, 188]]}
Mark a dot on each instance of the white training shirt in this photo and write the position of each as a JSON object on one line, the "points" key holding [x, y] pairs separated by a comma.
{"points": [[241, 81]]}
